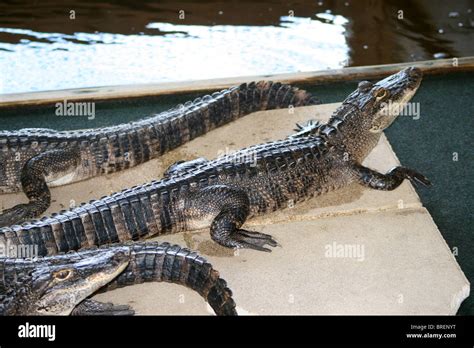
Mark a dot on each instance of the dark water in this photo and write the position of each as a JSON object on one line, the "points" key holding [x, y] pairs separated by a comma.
{"points": [[52, 44]]}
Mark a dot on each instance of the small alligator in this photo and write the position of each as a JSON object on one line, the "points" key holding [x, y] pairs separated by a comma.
{"points": [[62, 284], [31, 160], [222, 194]]}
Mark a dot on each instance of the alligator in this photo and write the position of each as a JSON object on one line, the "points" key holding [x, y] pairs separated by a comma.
{"points": [[34, 159], [221, 194], [63, 284]]}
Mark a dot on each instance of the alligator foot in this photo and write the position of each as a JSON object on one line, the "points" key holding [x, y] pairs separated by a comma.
{"points": [[92, 307], [415, 177], [253, 240], [391, 180], [227, 207]]}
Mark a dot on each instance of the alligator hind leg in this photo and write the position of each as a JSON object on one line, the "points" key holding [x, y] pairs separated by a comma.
{"points": [[35, 174], [93, 307], [227, 209], [391, 180]]}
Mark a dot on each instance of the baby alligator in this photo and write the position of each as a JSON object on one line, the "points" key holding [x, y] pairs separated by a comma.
{"points": [[61, 284], [34, 159], [223, 193]]}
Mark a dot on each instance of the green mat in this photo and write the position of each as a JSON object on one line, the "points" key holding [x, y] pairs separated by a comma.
{"points": [[428, 144]]}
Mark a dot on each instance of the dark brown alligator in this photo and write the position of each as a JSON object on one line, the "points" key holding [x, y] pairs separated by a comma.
{"points": [[222, 194], [62, 284], [31, 160]]}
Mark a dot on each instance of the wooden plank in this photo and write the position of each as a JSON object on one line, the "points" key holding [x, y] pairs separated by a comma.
{"points": [[315, 77]]}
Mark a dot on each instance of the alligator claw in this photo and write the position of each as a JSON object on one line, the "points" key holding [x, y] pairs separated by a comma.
{"points": [[254, 240], [421, 179], [415, 177], [298, 127]]}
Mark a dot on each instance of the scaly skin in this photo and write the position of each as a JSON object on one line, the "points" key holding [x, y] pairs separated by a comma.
{"points": [[32, 160], [221, 194], [61, 284]]}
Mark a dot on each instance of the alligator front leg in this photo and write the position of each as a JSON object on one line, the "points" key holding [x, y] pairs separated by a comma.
{"points": [[93, 307], [228, 208], [35, 174], [389, 181]]}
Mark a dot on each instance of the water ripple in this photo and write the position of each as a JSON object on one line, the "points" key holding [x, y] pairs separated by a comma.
{"points": [[48, 61]]}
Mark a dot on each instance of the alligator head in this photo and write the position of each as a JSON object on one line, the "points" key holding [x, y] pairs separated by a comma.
{"points": [[60, 283], [371, 108]]}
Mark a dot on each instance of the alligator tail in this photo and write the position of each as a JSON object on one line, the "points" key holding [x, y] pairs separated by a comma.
{"points": [[162, 262], [154, 136], [132, 214]]}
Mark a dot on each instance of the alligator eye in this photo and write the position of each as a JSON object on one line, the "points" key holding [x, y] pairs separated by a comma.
{"points": [[364, 86], [63, 274], [381, 93]]}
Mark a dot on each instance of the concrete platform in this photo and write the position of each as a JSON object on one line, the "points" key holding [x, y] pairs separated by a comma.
{"points": [[354, 251], [397, 264]]}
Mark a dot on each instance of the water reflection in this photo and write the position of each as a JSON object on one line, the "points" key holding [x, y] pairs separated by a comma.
{"points": [[124, 41], [179, 52]]}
